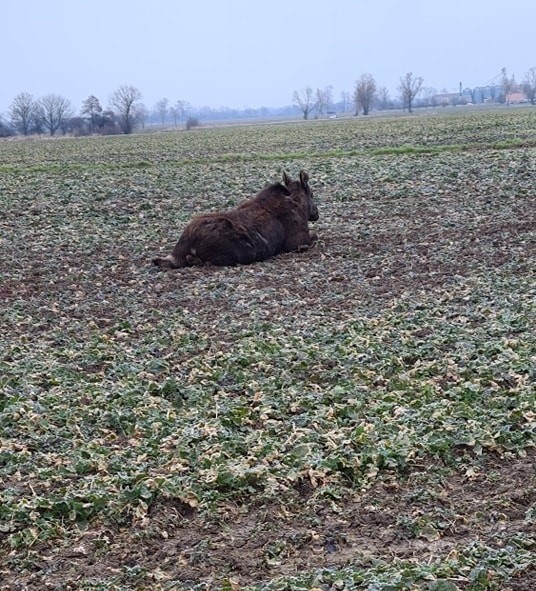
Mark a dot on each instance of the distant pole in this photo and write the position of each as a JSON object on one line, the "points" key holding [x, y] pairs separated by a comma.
{"points": [[460, 89]]}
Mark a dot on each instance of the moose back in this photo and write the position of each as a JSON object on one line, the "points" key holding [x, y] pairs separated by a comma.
{"points": [[274, 221]]}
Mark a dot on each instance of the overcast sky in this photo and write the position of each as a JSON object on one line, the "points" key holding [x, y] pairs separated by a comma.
{"points": [[245, 53]]}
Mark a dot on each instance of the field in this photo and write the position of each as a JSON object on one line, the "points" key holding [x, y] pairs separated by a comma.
{"points": [[360, 416]]}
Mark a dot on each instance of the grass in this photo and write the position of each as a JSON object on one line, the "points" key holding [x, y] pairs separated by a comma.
{"points": [[285, 425]]}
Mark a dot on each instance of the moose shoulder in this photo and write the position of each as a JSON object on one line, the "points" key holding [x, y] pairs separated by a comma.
{"points": [[274, 221]]}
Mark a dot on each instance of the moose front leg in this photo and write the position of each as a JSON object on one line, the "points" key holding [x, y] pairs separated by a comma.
{"points": [[299, 241], [313, 237]]}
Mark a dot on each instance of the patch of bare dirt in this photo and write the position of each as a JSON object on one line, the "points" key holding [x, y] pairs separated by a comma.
{"points": [[255, 543]]}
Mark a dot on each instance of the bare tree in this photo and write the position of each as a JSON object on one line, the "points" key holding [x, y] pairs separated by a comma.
{"points": [[124, 102], [182, 108], [175, 114], [6, 129], [320, 102], [22, 112], [328, 96], [507, 85], [410, 87], [427, 94], [141, 114], [304, 100], [161, 109], [52, 111], [345, 101], [179, 111], [91, 107], [365, 89], [529, 85], [383, 99]]}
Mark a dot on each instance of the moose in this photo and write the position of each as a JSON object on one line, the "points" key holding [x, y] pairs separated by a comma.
{"points": [[274, 221]]}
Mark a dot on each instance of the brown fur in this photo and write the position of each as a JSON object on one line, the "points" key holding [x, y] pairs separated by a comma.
{"points": [[275, 220]]}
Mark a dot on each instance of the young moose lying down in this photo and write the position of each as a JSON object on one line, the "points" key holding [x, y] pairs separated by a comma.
{"points": [[275, 220]]}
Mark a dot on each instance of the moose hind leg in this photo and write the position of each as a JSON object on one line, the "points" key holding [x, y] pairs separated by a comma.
{"points": [[193, 260], [168, 262]]}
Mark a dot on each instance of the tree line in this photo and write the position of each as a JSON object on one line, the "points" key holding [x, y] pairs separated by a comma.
{"points": [[367, 95], [53, 113]]}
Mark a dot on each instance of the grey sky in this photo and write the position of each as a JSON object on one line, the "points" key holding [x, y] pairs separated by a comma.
{"points": [[240, 53]]}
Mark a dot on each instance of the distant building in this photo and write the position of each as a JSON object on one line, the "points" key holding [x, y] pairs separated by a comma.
{"points": [[479, 95], [487, 94], [517, 96], [446, 99]]}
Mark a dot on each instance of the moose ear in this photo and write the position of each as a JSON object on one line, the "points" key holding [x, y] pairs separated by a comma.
{"points": [[286, 179], [304, 178]]}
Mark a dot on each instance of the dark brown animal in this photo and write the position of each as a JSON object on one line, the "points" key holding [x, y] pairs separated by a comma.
{"points": [[274, 221]]}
